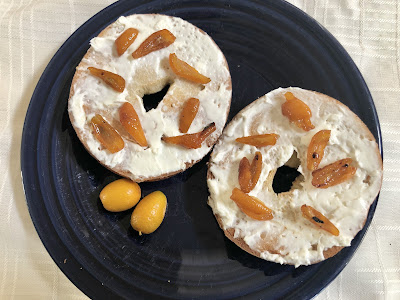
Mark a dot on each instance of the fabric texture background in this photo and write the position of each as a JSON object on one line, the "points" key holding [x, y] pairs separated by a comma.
{"points": [[31, 31]]}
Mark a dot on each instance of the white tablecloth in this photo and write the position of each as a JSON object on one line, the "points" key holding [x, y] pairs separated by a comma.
{"points": [[32, 30]]}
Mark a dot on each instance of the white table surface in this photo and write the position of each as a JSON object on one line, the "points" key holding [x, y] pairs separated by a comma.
{"points": [[31, 31]]}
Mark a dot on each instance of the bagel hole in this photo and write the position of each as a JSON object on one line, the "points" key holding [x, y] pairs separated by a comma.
{"points": [[151, 101], [287, 176]]}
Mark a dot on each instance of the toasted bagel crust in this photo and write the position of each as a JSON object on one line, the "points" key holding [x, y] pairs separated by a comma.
{"points": [[289, 238], [148, 75]]}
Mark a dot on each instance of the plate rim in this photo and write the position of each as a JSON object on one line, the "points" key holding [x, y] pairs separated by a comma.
{"points": [[88, 289]]}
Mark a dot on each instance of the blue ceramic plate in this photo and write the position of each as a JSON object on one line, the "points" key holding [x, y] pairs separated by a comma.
{"points": [[267, 45]]}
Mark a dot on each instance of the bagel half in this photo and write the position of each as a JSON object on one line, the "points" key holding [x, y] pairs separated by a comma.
{"points": [[147, 75], [289, 238]]}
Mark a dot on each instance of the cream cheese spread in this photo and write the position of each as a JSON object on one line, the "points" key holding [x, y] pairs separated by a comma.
{"points": [[146, 75], [294, 239]]}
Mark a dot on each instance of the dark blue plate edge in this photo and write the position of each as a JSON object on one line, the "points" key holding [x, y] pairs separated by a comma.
{"points": [[350, 61], [90, 283], [322, 34], [85, 275]]}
